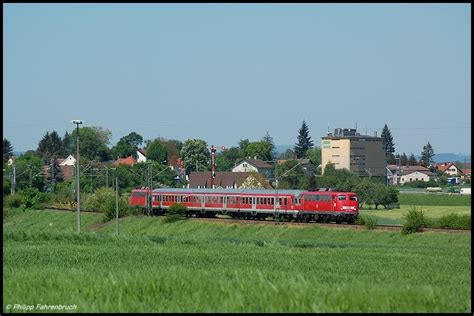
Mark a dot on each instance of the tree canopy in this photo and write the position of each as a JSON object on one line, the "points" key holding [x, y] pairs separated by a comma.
{"points": [[388, 145], [93, 143], [304, 141], [50, 146], [7, 150], [427, 155], [157, 151], [196, 155]]}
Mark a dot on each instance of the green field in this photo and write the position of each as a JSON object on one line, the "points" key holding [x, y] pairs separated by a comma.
{"points": [[434, 199], [196, 266], [397, 216]]}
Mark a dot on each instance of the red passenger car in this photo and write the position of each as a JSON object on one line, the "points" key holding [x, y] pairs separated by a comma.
{"points": [[302, 205]]}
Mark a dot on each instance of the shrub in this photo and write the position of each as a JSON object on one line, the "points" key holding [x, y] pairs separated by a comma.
{"points": [[369, 222], [415, 220], [13, 201], [97, 200], [454, 221], [175, 212], [110, 208], [32, 198]]}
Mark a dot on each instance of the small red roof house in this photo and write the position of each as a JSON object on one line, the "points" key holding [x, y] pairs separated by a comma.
{"points": [[125, 161], [449, 168]]}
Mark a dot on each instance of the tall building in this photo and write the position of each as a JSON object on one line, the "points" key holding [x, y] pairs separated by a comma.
{"points": [[347, 149]]}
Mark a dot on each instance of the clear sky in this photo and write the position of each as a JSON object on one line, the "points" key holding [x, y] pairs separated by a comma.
{"points": [[225, 72]]}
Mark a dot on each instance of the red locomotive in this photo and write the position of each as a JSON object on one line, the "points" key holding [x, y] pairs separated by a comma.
{"points": [[313, 205]]}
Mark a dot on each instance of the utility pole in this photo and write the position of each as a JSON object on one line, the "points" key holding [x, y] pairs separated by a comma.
{"points": [[117, 205], [77, 122], [52, 172], [29, 169], [14, 177], [106, 177]]}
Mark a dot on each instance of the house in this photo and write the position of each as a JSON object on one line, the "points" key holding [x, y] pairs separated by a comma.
{"points": [[255, 165], [66, 165], [228, 180], [449, 168], [466, 174], [305, 163], [141, 154], [125, 161], [398, 175], [69, 161]]}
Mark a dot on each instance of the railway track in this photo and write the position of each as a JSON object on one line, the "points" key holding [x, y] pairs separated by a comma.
{"points": [[220, 218]]}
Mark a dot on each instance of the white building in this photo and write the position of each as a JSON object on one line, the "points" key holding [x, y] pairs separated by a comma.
{"points": [[141, 155], [403, 174], [69, 161]]}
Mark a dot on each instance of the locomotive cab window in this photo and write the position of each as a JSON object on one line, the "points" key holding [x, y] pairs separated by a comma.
{"points": [[352, 197], [341, 197]]}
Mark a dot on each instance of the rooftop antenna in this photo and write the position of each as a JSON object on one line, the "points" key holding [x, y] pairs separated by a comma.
{"points": [[366, 129], [328, 128], [356, 126]]}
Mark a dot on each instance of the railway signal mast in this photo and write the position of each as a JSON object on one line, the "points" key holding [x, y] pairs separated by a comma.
{"points": [[213, 164]]}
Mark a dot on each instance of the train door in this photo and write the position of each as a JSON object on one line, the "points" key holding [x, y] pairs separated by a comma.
{"points": [[254, 203], [203, 199], [225, 202]]}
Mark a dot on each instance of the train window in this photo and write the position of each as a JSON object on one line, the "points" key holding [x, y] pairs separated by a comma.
{"points": [[141, 194], [341, 197], [272, 201], [352, 197]]}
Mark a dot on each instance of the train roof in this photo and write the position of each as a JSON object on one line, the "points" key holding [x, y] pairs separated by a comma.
{"points": [[230, 191]]}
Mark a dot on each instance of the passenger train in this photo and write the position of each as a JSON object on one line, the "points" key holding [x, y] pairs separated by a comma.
{"points": [[312, 205]]}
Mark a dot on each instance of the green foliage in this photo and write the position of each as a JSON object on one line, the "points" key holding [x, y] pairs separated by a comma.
{"points": [[225, 159], [97, 200], [29, 163], [369, 222], [434, 199], [32, 198], [13, 201], [384, 195], [123, 208], [175, 212], [263, 150], [93, 143], [415, 221], [453, 221], [50, 146], [7, 150], [387, 140], [314, 155], [195, 154], [291, 175], [229, 267], [64, 192], [427, 155], [157, 151], [304, 141]]}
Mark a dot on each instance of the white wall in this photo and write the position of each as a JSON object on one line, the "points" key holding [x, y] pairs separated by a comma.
{"points": [[244, 167], [413, 176]]}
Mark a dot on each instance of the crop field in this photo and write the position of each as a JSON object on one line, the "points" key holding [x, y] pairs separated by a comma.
{"points": [[196, 266]]}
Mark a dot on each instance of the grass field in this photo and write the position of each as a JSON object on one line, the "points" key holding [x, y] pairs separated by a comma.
{"points": [[434, 199], [195, 266], [397, 216]]}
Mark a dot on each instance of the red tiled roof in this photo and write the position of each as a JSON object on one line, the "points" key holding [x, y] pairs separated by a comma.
{"points": [[125, 161], [466, 171]]}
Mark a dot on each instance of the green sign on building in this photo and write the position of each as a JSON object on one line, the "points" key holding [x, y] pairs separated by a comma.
{"points": [[326, 144]]}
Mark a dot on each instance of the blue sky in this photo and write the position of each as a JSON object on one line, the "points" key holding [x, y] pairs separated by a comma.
{"points": [[225, 72]]}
